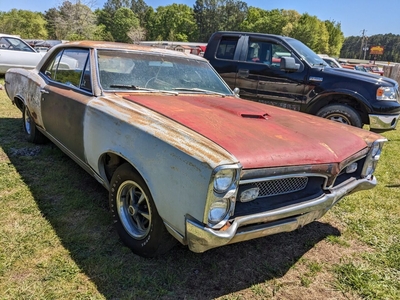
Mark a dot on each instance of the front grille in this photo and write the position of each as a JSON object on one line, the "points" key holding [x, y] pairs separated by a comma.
{"points": [[279, 192], [281, 186]]}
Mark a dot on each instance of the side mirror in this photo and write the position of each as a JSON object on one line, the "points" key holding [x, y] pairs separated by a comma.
{"points": [[289, 64]]}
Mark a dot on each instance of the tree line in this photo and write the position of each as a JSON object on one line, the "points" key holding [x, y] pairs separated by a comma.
{"points": [[133, 20]]}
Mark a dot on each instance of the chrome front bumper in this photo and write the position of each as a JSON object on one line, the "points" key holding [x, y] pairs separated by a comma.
{"points": [[285, 219], [383, 122]]}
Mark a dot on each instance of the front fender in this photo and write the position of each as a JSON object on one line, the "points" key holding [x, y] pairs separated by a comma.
{"points": [[320, 100], [176, 163]]}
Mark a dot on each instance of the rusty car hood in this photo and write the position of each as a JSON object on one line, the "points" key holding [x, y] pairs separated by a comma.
{"points": [[260, 135]]}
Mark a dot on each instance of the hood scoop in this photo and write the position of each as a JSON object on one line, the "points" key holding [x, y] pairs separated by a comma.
{"points": [[255, 116]]}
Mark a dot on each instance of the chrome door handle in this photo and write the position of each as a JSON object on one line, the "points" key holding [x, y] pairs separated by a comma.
{"points": [[43, 91]]}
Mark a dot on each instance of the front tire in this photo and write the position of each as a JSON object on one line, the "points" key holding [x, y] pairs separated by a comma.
{"points": [[341, 113], [135, 215], [32, 134]]}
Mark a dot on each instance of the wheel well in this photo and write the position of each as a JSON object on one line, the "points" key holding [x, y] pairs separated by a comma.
{"points": [[341, 99], [19, 103], [110, 162]]}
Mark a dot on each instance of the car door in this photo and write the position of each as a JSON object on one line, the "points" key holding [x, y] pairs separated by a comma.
{"points": [[226, 56], [65, 97], [274, 86], [15, 53]]}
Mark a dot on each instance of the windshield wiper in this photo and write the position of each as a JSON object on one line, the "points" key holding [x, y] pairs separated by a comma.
{"points": [[199, 91], [138, 88], [124, 86]]}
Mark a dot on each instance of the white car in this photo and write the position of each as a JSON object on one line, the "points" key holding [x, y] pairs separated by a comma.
{"points": [[333, 63], [14, 52]]}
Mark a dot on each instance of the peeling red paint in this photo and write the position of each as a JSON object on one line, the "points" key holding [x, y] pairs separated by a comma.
{"points": [[284, 138]]}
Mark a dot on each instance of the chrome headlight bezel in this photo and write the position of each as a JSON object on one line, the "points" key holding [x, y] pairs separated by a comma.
{"points": [[387, 93], [223, 179], [372, 158], [221, 196]]}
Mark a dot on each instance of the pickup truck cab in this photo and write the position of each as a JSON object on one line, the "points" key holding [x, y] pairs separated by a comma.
{"points": [[282, 71]]}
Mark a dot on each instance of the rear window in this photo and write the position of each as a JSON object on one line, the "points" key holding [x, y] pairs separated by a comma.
{"points": [[226, 48]]}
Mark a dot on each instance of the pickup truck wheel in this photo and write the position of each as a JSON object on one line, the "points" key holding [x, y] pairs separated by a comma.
{"points": [[32, 134], [135, 215], [341, 113]]}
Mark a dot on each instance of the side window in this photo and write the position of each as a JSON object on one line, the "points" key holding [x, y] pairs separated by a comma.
{"points": [[11, 43], [278, 51], [70, 67], [4, 44], [259, 51], [50, 70], [226, 48]]}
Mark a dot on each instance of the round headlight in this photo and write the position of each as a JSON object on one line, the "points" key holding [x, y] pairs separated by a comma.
{"points": [[218, 210], [376, 148], [223, 180]]}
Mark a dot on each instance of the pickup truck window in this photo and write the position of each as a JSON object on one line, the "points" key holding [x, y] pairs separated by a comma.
{"points": [[227, 47], [269, 53]]}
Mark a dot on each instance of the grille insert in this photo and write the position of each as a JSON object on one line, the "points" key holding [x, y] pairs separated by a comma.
{"points": [[281, 186]]}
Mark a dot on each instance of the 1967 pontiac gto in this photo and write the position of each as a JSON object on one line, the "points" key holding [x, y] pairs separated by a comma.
{"points": [[183, 158]]}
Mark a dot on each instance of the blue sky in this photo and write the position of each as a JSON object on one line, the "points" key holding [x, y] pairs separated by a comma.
{"points": [[354, 15]]}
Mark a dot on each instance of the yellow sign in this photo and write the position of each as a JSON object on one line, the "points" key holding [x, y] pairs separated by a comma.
{"points": [[376, 50]]}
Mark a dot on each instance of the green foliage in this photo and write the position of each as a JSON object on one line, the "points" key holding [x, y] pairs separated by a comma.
{"points": [[139, 7], [336, 38], [173, 22], [312, 32], [71, 22], [25, 23], [214, 15], [124, 21]]}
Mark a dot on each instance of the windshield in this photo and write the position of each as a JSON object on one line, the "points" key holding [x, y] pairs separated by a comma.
{"points": [[143, 72], [306, 53]]}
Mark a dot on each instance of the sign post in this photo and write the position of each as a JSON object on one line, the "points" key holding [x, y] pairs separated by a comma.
{"points": [[376, 50]]}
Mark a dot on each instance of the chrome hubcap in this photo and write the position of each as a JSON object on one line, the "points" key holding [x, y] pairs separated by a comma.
{"points": [[134, 209]]}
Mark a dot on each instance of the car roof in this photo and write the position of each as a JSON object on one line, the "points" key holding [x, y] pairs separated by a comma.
{"points": [[257, 34], [125, 46], [10, 35]]}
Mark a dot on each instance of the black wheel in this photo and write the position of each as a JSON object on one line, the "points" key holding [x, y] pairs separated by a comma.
{"points": [[32, 134], [135, 216], [341, 113]]}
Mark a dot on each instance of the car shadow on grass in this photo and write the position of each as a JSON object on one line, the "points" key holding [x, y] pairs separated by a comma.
{"points": [[76, 206]]}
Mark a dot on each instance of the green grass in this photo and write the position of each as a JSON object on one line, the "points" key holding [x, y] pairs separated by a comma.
{"points": [[57, 240]]}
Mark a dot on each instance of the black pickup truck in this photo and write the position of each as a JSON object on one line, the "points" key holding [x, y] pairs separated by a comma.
{"points": [[282, 71]]}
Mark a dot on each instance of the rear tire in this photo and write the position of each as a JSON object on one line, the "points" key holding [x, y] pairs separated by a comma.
{"points": [[341, 113], [32, 134], [135, 215]]}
